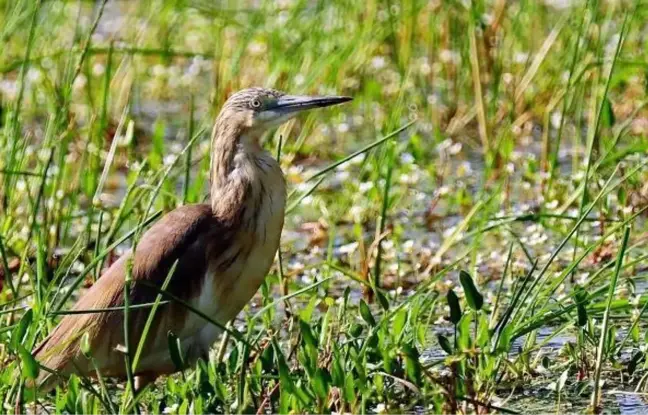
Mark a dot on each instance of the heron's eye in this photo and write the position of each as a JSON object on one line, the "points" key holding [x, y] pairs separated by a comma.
{"points": [[255, 103]]}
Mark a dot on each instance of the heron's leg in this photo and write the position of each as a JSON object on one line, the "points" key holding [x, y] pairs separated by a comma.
{"points": [[143, 380]]}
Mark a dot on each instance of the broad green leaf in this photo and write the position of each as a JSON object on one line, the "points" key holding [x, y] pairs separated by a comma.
{"points": [[412, 365], [302, 394], [379, 384], [384, 302], [464, 331], [307, 334], [349, 388], [30, 368], [267, 359], [232, 360], [356, 330], [483, 332], [372, 341], [622, 195], [21, 329], [421, 333], [389, 363], [325, 325], [444, 343], [307, 360], [365, 312], [474, 299], [398, 325], [337, 372], [286, 381], [306, 313], [321, 382], [455, 308], [505, 339], [607, 117]]}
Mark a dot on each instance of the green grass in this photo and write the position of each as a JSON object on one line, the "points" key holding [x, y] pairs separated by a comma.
{"points": [[468, 232]]}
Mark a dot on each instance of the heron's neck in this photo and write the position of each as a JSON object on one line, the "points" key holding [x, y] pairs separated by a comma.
{"points": [[237, 172]]}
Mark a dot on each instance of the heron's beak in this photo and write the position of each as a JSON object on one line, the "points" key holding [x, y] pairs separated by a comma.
{"points": [[289, 104]]}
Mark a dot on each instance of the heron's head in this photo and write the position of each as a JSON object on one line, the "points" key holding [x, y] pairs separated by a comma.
{"points": [[255, 110]]}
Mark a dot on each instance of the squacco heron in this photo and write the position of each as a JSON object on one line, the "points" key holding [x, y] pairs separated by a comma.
{"points": [[219, 252]]}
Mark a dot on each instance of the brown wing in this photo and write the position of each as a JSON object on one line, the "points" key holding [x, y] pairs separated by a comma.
{"points": [[184, 235]]}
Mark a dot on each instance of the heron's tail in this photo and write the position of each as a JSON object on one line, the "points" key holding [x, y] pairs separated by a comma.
{"points": [[56, 355]]}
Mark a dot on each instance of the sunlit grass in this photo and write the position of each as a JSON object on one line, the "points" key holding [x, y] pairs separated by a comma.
{"points": [[505, 140]]}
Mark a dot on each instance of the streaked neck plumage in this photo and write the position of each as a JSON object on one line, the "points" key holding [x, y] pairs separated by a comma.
{"points": [[242, 172]]}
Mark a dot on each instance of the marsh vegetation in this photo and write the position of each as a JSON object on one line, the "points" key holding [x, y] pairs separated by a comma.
{"points": [[468, 235]]}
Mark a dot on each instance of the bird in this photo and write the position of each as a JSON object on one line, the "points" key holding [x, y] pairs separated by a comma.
{"points": [[218, 252]]}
